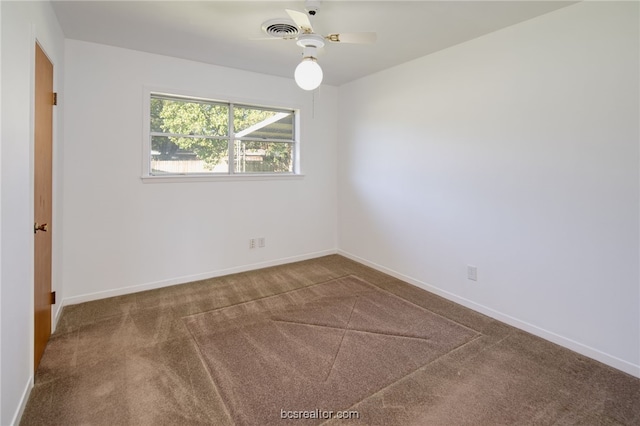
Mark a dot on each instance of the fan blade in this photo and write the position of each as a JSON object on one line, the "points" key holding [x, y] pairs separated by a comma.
{"points": [[359, 38], [301, 20]]}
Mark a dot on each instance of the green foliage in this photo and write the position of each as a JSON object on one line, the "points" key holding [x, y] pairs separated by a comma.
{"points": [[209, 121], [277, 157], [161, 144], [190, 118]]}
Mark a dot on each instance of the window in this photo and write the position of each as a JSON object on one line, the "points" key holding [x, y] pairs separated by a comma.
{"points": [[190, 136]]}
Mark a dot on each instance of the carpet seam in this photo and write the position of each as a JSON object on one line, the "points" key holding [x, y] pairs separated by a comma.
{"points": [[356, 330], [265, 297], [201, 355], [211, 379], [344, 332], [415, 304], [376, 287], [475, 333], [407, 375], [61, 330]]}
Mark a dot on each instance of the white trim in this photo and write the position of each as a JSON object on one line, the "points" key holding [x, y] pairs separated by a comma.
{"points": [[23, 402], [56, 316], [32, 173], [219, 177], [610, 360], [1, 258], [147, 91], [146, 132], [190, 278]]}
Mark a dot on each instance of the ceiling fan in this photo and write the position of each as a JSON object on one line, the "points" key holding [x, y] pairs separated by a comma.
{"points": [[308, 74]]}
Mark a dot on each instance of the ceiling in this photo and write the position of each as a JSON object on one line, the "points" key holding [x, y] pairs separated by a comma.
{"points": [[224, 32]]}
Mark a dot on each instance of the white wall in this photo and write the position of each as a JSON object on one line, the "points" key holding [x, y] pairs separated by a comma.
{"points": [[516, 152], [22, 24], [1, 215], [123, 235]]}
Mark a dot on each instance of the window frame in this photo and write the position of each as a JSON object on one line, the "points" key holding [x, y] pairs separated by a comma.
{"points": [[148, 177]]}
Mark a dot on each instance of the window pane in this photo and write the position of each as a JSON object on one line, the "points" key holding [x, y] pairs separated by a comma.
{"points": [[263, 124], [189, 117], [192, 136], [263, 157], [188, 155]]}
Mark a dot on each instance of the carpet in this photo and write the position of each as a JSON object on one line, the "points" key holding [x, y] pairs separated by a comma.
{"points": [[314, 352]]}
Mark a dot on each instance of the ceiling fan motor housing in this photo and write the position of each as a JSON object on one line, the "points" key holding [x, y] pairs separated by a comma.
{"points": [[310, 43], [307, 40]]}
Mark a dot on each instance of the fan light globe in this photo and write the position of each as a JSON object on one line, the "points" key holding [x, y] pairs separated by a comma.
{"points": [[308, 74]]}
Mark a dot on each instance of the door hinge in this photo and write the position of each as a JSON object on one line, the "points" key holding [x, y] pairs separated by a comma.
{"points": [[55, 98], [53, 297]]}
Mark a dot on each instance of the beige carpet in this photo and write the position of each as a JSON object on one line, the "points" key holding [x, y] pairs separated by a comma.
{"points": [[318, 349], [150, 359]]}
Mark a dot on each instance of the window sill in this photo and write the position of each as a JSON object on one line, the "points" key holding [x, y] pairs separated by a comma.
{"points": [[220, 178]]}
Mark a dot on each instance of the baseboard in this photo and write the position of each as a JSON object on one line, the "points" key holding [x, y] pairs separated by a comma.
{"points": [[56, 316], [190, 278], [23, 402], [578, 347]]}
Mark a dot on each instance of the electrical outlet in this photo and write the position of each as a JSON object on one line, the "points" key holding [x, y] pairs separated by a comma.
{"points": [[472, 272], [252, 243], [261, 242]]}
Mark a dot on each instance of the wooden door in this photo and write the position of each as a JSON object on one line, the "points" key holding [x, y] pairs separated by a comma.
{"points": [[43, 135]]}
